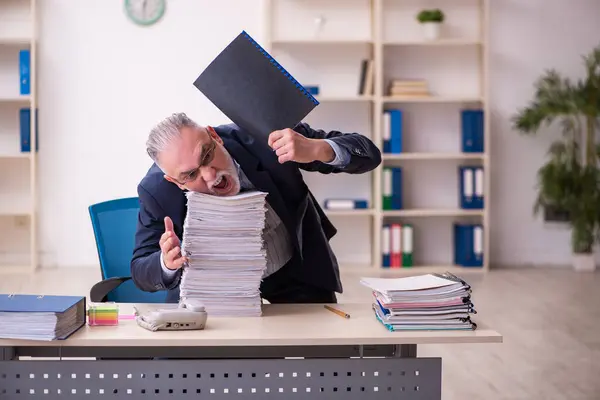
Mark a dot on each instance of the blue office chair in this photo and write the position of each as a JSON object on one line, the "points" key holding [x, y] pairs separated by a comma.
{"points": [[114, 223]]}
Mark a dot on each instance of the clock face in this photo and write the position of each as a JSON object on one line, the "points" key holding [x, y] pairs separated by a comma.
{"points": [[145, 12]]}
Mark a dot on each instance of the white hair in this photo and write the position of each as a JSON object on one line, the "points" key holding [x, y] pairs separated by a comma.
{"points": [[165, 131]]}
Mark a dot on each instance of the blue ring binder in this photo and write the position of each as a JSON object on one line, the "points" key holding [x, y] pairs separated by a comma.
{"points": [[283, 70]]}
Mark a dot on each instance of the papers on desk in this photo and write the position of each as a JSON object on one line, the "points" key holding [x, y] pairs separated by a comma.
{"points": [[424, 302], [227, 258], [37, 317]]}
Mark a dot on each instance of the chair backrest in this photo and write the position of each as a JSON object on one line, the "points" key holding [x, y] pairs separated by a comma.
{"points": [[114, 223]]}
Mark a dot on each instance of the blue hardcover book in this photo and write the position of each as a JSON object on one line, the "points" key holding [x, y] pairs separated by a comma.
{"points": [[467, 133], [395, 131], [312, 89], [397, 188], [478, 255], [385, 246], [25, 130], [24, 72], [253, 90], [479, 131], [38, 317], [468, 245], [466, 187], [478, 193], [386, 126], [472, 131], [346, 204]]}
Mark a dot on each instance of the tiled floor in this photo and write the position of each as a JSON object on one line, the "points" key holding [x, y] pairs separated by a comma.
{"points": [[550, 320]]}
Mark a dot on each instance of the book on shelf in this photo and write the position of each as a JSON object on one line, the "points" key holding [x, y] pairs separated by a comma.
{"points": [[366, 80], [24, 72], [468, 244], [392, 188], [397, 245], [422, 302], [345, 204], [25, 130], [392, 131], [408, 88], [472, 130], [312, 89], [470, 189]]}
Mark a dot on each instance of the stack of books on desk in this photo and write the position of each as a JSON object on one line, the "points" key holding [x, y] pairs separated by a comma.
{"points": [[40, 317], [227, 258], [423, 302]]}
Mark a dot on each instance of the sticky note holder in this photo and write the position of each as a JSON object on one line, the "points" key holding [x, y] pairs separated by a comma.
{"points": [[103, 314]]}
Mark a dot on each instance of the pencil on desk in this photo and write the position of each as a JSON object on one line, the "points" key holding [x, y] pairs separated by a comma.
{"points": [[338, 312]]}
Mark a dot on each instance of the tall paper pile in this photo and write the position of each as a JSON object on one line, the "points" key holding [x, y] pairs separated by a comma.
{"points": [[227, 258]]}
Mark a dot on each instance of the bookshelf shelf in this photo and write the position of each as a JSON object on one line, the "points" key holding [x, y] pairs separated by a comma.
{"points": [[432, 212], [335, 99], [18, 96], [15, 99], [442, 42], [15, 41], [6, 154], [326, 42], [455, 69], [434, 156], [431, 99], [420, 269], [350, 213]]}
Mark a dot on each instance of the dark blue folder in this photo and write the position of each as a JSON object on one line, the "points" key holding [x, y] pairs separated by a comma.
{"points": [[253, 90], [37, 303]]}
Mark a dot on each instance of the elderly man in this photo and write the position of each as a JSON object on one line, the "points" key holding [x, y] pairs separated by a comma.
{"points": [[224, 160]]}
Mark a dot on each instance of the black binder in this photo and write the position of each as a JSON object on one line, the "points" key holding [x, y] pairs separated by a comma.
{"points": [[253, 90]]}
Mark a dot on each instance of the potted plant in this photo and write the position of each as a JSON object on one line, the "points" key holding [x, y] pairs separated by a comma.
{"points": [[570, 178], [431, 20]]}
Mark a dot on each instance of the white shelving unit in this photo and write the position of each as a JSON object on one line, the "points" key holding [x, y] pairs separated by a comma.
{"points": [[322, 43], [18, 177]]}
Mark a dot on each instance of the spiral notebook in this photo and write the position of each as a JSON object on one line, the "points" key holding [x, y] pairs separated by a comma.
{"points": [[253, 90]]}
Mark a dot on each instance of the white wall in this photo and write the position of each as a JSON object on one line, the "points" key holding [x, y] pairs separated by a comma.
{"points": [[103, 82]]}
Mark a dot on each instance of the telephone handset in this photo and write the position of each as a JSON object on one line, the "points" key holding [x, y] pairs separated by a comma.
{"points": [[189, 314]]}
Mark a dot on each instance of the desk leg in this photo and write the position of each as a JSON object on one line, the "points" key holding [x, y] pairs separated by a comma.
{"points": [[7, 353], [405, 351]]}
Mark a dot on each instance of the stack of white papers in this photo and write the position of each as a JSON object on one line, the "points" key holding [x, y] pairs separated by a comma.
{"points": [[424, 302], [227, 258]]}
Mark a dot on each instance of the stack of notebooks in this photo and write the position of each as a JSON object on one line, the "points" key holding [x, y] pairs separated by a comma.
{"points": [[38, 317], [409, 87], [227, 257], [423, 302]]}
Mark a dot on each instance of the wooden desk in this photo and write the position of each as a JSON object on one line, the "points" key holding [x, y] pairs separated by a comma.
{"points": [[304, 351]]}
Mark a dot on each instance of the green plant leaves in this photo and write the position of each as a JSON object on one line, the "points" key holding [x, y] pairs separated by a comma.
{"points": [[433, 15], [570, 178]]}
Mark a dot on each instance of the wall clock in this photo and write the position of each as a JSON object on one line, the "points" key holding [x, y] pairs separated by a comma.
{"points": [[145, 12]]}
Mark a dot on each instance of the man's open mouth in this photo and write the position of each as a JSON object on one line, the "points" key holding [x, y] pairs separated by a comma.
{"points": [[221, 184]]}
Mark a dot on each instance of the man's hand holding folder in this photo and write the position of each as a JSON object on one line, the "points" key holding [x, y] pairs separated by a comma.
{"points": [[289, 145]]}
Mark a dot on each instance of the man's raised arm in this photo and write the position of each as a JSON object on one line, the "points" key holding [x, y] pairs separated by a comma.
{"points": [[325, 152]]}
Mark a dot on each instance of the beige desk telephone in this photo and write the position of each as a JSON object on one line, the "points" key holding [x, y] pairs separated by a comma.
{"points": [[187, 315]]}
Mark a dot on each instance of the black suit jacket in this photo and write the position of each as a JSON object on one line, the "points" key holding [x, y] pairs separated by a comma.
{"points": [[310, 229]]}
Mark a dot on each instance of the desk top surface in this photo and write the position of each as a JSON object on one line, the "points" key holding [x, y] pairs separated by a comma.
{"points": [[280, 325]]}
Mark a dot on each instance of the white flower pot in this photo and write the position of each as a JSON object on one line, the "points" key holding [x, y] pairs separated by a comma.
{"points": [[431, 30], [584, 262]]}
